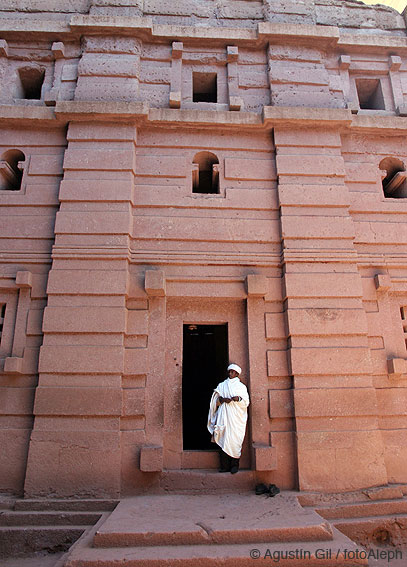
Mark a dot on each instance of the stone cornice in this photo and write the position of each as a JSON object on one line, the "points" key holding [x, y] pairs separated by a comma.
{"points": [[209, 118], [289, 33], [302, 116], [265, 32], [372, 42], [32, 116], [139, 112], [16, 27], [89, 111]]}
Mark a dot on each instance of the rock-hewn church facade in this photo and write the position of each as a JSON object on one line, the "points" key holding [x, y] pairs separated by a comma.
{"points": [[186, 184]]}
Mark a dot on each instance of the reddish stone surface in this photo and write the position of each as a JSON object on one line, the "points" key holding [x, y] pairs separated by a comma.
{"points": [[106, 250]]}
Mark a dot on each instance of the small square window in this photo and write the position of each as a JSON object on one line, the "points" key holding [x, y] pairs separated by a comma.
{"points": [[205, 87], [370, 94]]}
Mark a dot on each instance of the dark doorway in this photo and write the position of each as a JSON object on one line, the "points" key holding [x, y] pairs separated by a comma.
{"points": [[205, 359]]}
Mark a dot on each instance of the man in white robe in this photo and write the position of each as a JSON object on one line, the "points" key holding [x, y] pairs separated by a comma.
{"points": [[228, 417]]}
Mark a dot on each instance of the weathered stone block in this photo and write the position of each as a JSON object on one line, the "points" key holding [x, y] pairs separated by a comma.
{"points": [[24, 279], [151, 459], [382, 282], [13, 365], [256, 285], [397, 366], [265, 458], [155, 282]]}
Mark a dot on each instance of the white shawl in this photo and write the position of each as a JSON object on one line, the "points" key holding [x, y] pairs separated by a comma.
{"points": [[227, 422]]}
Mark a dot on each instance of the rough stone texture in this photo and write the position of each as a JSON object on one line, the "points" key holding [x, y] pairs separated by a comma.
{"points": [[106, 251]]}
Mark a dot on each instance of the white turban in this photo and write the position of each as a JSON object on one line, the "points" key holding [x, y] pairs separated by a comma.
{"points": [[235, 367]]}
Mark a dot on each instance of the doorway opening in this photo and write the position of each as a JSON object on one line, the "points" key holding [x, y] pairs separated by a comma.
{"points": [[205, 359]]}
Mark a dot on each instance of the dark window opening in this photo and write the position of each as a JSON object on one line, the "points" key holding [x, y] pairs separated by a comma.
{"points": [[11, 170], [370, 94], [2, 315], [403, 313], [31, 80], [204, 364], [205, 173], [394, 177], [204, 87]]}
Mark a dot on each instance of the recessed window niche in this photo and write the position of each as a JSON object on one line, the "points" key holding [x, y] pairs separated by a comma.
{"points": [[31, 81], [393, 178], [370, 94], [204, 87], [205, 173], [11, 170]]}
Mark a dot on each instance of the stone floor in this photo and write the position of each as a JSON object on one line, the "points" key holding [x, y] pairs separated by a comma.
{"points": [[36, 560], [52, 560], [227, 520]]}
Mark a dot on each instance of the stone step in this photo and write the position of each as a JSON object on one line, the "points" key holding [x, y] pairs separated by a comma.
{"points": [[367, 495], [84, 505], [338, 553], [211, 531], [382, 530], [176, 519], [49, 518], [23, 540], [361, 509], [6, 502], [206, 480]]}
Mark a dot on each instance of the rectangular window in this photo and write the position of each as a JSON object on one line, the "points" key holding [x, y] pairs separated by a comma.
{"points": [[205, 87], [370, 94], [31, 81]]}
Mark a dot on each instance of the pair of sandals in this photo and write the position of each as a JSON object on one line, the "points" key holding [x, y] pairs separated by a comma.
{"points": [[267, 489]]}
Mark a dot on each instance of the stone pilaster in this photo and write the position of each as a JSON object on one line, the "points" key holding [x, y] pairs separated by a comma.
{"points": [[75, 445], [335, 401]]}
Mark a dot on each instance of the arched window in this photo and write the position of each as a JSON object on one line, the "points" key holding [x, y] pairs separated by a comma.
{"points": [[11, 170], [31, 81], [205, 173], [394, 178]]}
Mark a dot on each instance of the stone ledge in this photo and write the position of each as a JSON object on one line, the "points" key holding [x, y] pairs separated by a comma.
{"points": [[210, 117], [85, 22], [372, 41], [100, 111], [20, 25], [325, 35], [389, 125], [18, 113], [307, 116], [322, 34], [191, 32], [133, 112]]}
